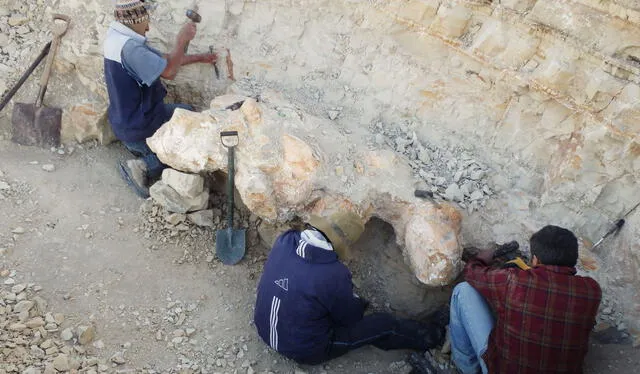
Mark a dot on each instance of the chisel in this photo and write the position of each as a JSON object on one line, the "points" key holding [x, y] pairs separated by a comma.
{"points": [[616, 227]]}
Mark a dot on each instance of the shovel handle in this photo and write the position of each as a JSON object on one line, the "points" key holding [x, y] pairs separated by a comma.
{"points": [[58, 32], [231, 174], [24, 76], [227, 134]]}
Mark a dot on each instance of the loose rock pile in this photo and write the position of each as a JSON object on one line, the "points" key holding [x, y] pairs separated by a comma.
{"points": [[453, 173], [19, 36], [184, 212], [32, 339]]}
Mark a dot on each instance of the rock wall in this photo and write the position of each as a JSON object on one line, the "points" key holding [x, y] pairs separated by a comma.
{"points": [[545, 92]]}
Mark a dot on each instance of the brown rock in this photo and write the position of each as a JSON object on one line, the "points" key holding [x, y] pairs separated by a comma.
{"points": [[84, 122], [86, 334]]}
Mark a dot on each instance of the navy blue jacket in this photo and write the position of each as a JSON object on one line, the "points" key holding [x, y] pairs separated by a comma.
{"points": [[136, 107], [304, 292]]}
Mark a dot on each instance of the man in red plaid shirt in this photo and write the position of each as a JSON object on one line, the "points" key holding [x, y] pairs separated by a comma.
{"points": [[525, 320]]}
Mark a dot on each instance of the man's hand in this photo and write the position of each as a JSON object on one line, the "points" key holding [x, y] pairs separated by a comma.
{"points": [[187, 33], [209, 58]]}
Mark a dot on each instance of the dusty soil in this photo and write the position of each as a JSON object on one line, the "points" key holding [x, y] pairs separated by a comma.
{"points": [[85, 244]]}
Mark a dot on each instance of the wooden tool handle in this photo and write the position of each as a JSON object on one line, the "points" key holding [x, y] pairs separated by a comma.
{"points": [[58, 31]]}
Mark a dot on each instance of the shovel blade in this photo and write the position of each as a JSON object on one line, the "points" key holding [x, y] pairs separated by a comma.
{"points": [[230, 245], [36, 126]]}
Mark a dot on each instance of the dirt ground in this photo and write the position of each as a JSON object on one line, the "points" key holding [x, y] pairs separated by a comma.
{"points": [[83, 244]]}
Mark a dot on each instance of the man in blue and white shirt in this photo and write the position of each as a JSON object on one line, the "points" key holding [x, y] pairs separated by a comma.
{"points": [[306, 309], [132, 72]]}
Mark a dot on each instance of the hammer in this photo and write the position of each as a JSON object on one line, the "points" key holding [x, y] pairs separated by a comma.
{"points": [[195, 18]]}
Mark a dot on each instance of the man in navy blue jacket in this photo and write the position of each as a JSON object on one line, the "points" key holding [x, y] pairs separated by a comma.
{"points": [[132, 72], [306, 309]]}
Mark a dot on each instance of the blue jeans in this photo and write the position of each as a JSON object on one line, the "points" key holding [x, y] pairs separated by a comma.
{"points": [[471, 322], [381, 330], [141, 149]]}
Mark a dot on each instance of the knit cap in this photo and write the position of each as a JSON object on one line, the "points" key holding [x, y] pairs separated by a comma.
{"points": [[130, 12]]}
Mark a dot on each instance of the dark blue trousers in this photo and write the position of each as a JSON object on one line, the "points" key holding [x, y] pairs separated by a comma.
{"points": [[381, 330]]}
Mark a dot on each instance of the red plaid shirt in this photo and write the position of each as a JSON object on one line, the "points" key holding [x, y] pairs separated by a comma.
{"points": [[543, 317]]}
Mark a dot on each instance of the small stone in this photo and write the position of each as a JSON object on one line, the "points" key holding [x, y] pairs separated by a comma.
{"points": [[457, 176], [17, 327], [49, 369], [48, 167], [99, 344], [175, 218], [203, 218], [37, 351], [59, 318], [177, 340], [18, 288], [250, 370], [61, 362], [46, 344], [4, 186], [190, 331], [607, 310], [424, 156], [118, 358], [476, 195], [453, 193], [86, 334], [51, 350], [24, 305], [66, 334], [19, 230], [17, 20], [333, 114], [210, 258], [34, 323], [178, 332], [477, 175]]}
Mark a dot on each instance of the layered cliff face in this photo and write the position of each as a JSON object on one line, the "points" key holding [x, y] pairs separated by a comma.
{"points": [[542, 94]]}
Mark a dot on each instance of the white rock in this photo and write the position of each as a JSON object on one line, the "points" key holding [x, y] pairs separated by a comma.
{"points": [[66, 334], [99, 344], [61, 362], [19, 230], [4, 185], [17, 327], [48, 167], [187, 185], [202, 218], [118, 358], [24, 305], [172, 201], [18, 288], [333, 114], [476, 195], [453, 193]]}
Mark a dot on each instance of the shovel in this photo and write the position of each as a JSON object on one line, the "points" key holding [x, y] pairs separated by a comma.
{"points": [[230, 243], [34, 124]]}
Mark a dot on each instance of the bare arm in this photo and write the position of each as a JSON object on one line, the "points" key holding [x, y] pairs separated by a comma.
{"points": [[203, 57], [176, 56]]}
